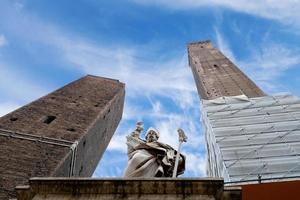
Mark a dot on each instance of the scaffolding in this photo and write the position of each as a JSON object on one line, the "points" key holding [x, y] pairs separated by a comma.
{"points": [[252, 138]]}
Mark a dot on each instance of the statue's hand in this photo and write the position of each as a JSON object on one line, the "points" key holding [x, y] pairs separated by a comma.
{"points": [[135, 134], [139, 128]]}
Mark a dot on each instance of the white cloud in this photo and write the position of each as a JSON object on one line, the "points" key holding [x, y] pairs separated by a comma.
{"points": [[286, 11], [3, 40], [276, 58], [123, 63], [14, 84], [7, 107], [195, 164], [266, 64], [269, 64], [223, 46], [19, 5], [111, 167]]}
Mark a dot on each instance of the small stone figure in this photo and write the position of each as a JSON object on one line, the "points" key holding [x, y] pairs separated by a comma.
{"points": [[150, 158]]}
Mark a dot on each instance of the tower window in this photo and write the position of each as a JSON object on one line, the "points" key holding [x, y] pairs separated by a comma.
{"points": [[49, 119], [71, 129], [13, 119]]}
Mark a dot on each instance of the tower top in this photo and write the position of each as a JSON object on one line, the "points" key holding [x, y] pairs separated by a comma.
{"points": [[200, 44]]}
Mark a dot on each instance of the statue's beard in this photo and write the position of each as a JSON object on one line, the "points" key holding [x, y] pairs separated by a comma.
{"points": [[151, 139]]}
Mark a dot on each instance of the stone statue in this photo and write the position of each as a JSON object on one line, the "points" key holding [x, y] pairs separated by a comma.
{"points": [[150, 158]]}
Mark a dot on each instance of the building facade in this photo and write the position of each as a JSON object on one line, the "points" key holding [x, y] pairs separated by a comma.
{"points": [[61, 134]]}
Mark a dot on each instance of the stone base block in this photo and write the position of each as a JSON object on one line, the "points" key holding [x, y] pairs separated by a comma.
{"points": [[129, 189]]}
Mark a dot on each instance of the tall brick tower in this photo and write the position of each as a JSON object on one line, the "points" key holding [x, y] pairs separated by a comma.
{"points": [[250, 136], [216, 75], [61, 134]]}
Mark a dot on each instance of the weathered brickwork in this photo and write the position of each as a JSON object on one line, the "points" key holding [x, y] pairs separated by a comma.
{"points": [[216, 75], [61, 134]]}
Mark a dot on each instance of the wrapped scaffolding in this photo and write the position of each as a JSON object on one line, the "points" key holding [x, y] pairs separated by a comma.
{"points": [[250, 139]]}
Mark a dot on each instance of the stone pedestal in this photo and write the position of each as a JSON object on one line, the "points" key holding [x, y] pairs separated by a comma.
{"points": [[129, 189]]}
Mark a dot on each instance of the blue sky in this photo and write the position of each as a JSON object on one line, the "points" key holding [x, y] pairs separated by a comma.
{"points": [[45, 45]]}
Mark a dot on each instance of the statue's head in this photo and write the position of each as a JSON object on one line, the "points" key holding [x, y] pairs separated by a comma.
{"points": [[152, 135]]}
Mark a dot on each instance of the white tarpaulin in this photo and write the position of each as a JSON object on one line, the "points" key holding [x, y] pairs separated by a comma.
{"points": [[252, 137]]}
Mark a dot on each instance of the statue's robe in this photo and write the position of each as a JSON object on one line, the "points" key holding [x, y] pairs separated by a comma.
{"points": [[151, 159]]}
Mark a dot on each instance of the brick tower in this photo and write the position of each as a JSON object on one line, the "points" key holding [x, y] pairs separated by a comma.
{"points": [[216, 75], [250, 136], [61, 134]]}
